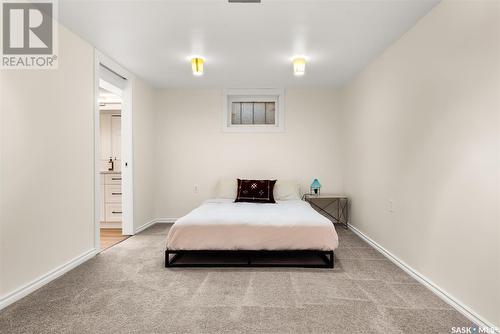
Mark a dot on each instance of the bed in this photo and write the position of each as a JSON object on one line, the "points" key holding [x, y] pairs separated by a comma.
{"points": [[285, 234]]}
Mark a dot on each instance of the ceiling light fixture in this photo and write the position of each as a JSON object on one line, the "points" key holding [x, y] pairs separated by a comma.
{"points": [[299, 66], [197, 65]]}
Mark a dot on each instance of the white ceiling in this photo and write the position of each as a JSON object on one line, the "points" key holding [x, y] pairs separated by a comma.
{"points": [[245, 45]]}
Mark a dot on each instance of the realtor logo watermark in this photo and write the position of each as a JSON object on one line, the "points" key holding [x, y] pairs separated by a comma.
{"points": [[29, 34]]}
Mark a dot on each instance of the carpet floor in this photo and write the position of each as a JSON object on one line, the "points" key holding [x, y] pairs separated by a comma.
{"points": [[126, 289]]}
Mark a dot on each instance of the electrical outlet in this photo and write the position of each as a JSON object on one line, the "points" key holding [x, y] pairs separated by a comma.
{"points": [[391, 206], [196, 189]]}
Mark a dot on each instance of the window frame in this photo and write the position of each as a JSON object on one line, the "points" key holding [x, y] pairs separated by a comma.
{"points": [[253, 95]]}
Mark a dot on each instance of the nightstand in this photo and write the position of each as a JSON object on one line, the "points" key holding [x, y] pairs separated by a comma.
{"points": [[334, 207]]}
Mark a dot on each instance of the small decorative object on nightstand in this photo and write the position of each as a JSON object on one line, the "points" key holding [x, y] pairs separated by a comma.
{"points": [[334, 207], [315, 188]]}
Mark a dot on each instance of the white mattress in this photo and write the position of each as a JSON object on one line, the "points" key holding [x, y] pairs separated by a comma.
{"points": [[220, 224]]}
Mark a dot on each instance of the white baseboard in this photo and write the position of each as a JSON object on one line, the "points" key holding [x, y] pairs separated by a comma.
{"points": [[166, 220], [44, 279], [145, 226], [445, 296], [155, 221], [37, 283]]}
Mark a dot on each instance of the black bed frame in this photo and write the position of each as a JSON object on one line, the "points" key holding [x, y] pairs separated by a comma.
{"points": [[172, 257]]}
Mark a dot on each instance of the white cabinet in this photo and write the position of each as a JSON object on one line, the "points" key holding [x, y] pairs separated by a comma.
{"points": [[111, 198], [106, 152], [111, 140], [111, 183], [113, 212], [113, 193], [113, 178], [116, 137]]}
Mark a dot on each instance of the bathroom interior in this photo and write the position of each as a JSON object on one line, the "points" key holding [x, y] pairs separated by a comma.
{"points": [[110, 107]]}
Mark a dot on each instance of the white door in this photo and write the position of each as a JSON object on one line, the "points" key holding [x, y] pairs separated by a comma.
{"points": [[102, 208]]}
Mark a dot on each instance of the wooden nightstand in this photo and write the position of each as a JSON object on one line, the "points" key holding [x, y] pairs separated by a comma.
{"points": [[334, 207]]}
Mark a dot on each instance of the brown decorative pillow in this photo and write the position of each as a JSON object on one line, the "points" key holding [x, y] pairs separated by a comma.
{"points": [[255, 191]]}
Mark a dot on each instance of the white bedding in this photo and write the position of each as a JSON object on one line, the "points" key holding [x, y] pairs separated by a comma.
{"points": [[220, 224]]}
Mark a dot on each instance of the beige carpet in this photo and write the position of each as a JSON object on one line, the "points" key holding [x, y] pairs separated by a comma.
{"points": [[126, 289]]}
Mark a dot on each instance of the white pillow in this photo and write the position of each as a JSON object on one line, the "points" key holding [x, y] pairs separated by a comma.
{"points": [[226, 189], [285, 190]]}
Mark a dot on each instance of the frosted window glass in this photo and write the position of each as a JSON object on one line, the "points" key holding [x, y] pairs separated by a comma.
{"points": [[236, 113], [270, 113], [247, 113], [259, 113]]}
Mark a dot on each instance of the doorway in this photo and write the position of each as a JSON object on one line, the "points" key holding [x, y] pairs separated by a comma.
{"points": [[110, 108], [113, 153]]}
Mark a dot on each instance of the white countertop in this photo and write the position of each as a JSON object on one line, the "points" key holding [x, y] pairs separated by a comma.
{"points": [[110, 172]]}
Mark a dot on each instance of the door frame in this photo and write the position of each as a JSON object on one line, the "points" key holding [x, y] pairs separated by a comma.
{"points": [[126, 147]]}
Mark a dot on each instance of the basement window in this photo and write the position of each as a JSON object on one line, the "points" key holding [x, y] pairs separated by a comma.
{"points": [[253, 110]]}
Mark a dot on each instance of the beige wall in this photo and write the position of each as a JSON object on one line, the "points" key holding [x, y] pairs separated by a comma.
{"points": [[47, 164], [143, 119], [421, 128], [192, 149]]}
